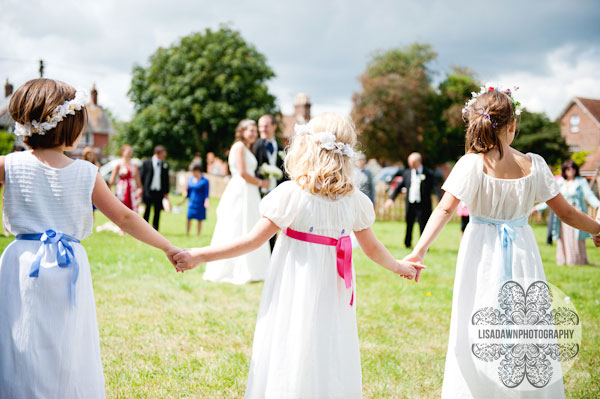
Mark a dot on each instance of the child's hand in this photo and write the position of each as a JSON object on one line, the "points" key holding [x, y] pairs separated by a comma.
{"points": [[409, 270], [415, 259], [596, 241], [188, 259], [171, 252]]}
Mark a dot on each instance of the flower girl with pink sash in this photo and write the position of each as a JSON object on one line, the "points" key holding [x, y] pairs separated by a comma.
{"points": [[306, 340]]}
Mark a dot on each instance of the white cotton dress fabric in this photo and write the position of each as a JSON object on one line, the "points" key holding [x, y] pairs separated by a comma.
{"points": [[237, 213], [306, 340], [479, 268], [48, 349]]}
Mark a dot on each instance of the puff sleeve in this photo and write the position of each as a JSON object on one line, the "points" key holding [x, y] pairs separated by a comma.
{"points": [[546, 185], [282, 204], [464, 179], [363, 209]]}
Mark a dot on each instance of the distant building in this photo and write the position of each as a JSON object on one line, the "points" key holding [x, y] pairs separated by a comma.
{"points": [[97, 134], [6, 122], [301, 116], [580, 126]]}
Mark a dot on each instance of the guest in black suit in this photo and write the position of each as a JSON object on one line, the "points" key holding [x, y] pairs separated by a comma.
{"points": [[420, 183], [268, 150], [155, 182]]}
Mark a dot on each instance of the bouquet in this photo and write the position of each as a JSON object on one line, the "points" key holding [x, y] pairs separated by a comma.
{"points": [[269, 171]]}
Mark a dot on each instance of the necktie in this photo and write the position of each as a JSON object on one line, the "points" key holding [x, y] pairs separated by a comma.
{"points": [[270, 147]]}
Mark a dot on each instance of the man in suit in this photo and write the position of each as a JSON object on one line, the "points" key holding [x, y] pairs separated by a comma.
{"points": [[420, 183], [155, 182], [268, 150]]}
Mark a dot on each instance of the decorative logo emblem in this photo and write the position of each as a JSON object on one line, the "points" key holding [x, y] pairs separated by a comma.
{"points": [[529, 335]]}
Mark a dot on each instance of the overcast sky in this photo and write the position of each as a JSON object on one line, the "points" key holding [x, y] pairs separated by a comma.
{"points": [[551, 48]]}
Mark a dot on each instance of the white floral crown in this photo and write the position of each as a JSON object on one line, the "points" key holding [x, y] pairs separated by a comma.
{"points": [[67, 108], [491, 87], [327, 140]]}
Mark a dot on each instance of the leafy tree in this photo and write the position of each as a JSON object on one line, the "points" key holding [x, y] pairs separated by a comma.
{"points": [[537, 133], [393, 110], [192, 95], [7, 141], [447, 141]]}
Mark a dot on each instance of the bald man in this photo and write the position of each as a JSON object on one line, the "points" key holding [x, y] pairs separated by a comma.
{"points": [[420, 183]]}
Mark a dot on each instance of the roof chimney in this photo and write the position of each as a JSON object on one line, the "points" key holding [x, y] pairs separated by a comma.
{"points": [[302, 106], [8, 89], [94, 94]]}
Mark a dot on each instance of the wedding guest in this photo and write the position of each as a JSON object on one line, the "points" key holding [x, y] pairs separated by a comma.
{"points": [[365, 178], [129, 185], [570, 242], [49, 342], [197, 194], [238, 211], [155, 183], [421, 183], [268, 150], [90, 156], [498, 253], [306, 340]]}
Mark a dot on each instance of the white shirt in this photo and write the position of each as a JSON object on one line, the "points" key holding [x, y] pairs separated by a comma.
{"points": [[414, 191], [156, 165]]}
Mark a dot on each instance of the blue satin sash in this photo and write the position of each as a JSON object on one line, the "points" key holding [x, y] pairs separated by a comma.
{"points": [[507, 233], [65, 255]]}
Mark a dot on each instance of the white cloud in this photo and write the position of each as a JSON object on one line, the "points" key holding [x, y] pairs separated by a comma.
{"points": [[570, 71]]}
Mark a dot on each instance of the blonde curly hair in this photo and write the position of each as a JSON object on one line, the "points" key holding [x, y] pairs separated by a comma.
{"points": [[316, 169]]}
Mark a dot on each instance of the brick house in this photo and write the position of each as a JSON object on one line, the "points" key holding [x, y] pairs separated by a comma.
{"points": [[580, 126], [301, 115], [98, 131]]}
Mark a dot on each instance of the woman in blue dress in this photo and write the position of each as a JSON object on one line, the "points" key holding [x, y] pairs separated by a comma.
{"points": [[197, 193]]}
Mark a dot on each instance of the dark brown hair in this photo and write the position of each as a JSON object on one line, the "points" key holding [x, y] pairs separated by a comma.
{"points": [[487, 118], [569, 163], [35, 101], [241, 127]]}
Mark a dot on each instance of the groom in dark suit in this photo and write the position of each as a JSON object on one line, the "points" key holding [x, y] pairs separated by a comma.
{"points": [[420, 183], [155, 183], [268, 150]]}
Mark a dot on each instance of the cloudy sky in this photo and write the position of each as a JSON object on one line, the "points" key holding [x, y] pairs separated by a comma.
{"points": [[551, 48]]}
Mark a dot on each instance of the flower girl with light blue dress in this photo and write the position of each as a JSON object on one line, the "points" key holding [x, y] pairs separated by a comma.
{"points": [[306, 339], [500, 281], [49, 345]]}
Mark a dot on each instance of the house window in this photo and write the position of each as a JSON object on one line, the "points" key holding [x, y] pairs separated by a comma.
{"points": [[574, 121]]}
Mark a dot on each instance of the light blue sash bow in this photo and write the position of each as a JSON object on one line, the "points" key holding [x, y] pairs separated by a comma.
{"points": [[507, 233], [64, 254]]}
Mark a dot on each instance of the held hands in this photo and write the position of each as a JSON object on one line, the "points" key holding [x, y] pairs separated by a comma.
{"points": [[171, 252], [416, 262], [189, 259]]}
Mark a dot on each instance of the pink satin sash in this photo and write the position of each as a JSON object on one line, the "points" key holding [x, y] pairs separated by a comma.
{"points": [[343, 248]]}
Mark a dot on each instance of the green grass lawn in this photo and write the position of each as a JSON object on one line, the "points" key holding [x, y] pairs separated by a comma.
{"points": [[171, 335]]}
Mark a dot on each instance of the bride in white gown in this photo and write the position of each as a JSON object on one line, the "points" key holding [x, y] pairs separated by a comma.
{"points": [[238, 212]]}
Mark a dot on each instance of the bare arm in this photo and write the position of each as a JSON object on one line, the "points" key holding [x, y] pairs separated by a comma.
{"points": [[379, 254], [113, 175], [2, 158], [240, 161], [125, 218], [262, 231], [439, 218], [572, 216]]}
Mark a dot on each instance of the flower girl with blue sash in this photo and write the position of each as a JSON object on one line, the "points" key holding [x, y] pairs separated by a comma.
{"points": [[49, 345], [498, 259]]}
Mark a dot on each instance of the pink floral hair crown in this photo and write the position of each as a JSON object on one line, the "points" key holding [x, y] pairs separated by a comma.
{"points": [[491, 87]]}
